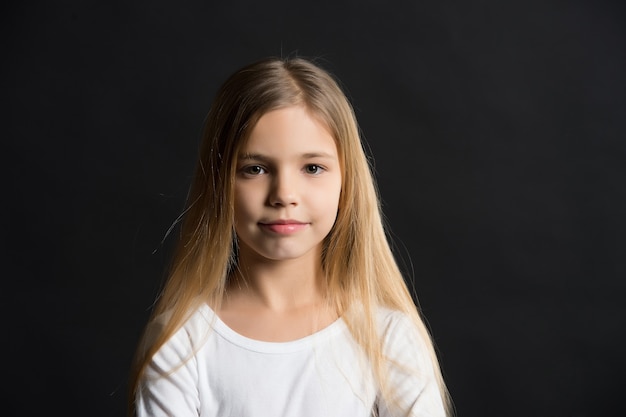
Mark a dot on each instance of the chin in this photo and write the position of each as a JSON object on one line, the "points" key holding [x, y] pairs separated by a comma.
{"points": [[279, 254]]}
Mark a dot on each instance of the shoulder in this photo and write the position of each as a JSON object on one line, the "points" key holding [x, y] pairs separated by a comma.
{"points": [[189, 334], [403, 338], [170, 380], [391, 321]]}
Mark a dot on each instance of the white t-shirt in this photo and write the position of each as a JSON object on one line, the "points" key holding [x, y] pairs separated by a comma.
{"points": [[216, 372]]}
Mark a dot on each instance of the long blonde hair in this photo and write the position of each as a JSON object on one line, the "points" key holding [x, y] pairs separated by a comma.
{"points": [[362, 273]]}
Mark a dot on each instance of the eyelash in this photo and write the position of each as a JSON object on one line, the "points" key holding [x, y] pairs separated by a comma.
{"points": [[318, 169], [247, 170]]}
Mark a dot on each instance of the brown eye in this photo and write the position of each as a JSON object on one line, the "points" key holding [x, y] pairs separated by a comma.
{"points": [[313, 169], [254, 170]]}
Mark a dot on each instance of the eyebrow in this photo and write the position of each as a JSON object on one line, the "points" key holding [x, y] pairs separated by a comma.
{"points": [[260, 157]]}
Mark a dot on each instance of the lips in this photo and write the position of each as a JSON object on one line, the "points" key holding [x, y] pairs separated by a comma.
{"points": [[284, 226]]}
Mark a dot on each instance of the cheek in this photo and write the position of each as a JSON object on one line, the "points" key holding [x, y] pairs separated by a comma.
{"points": [[246, 193], [328, 199], [243, 203], [338, 191]]}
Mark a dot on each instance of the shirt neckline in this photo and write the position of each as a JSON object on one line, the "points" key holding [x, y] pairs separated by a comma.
{"points": [[261, 346]]}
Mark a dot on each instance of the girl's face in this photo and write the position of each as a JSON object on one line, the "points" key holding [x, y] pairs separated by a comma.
{"points": [[287, 186]]}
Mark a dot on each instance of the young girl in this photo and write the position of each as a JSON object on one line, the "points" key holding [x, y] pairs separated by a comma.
{"points": [[284, 298]]}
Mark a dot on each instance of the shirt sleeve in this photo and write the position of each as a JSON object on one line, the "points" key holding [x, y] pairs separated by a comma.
{"points": [[411, 374], [169, 386]]}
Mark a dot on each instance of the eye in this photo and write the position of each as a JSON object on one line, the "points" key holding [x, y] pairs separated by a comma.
{"points": [[253, 170], [313, 169]]}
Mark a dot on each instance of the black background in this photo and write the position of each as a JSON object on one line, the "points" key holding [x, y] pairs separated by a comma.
{"points": [[498, 132]]}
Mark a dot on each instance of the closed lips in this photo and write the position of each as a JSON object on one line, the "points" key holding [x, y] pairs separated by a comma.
{"points": [[284, 226]]}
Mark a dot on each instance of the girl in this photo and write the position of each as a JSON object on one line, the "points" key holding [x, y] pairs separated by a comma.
{"points": [[284, 298]]}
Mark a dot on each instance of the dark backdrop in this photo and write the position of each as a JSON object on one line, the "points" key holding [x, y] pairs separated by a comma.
{"points": [[498, 132]]}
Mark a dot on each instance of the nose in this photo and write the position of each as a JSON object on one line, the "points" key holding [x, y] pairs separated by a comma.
{"points": [[284, 190]]}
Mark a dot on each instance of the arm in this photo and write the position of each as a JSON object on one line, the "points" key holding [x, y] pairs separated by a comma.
{"points": [[412, 381], [169, 385]]}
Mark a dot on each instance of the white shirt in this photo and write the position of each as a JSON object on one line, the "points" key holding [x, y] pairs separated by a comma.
{"points": [[216, 372]]}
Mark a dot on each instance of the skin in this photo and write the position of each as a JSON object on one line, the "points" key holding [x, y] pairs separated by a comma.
{"points": [[287, 192]]}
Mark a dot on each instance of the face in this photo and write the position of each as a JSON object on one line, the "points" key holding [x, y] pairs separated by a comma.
{"points": [[287, 186]]}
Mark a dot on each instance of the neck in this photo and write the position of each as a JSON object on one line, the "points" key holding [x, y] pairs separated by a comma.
{"points": [[280, 285]]}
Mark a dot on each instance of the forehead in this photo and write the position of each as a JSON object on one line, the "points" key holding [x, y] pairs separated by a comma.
{"points": [[290, 129]]}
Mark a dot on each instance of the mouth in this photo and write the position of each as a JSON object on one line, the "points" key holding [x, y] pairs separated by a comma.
{"points": [[284, 226]]}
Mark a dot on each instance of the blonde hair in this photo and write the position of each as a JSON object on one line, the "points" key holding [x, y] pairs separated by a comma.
{"points": [[361, 271]]}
